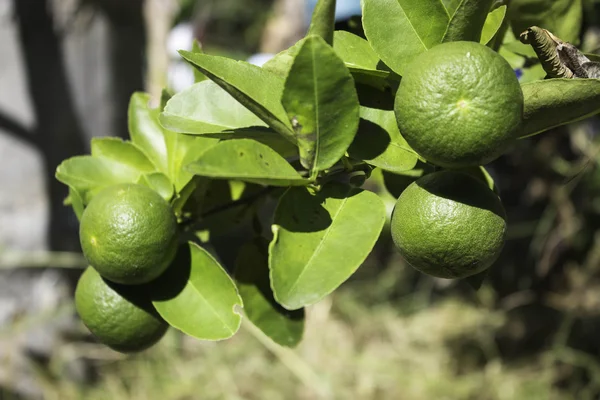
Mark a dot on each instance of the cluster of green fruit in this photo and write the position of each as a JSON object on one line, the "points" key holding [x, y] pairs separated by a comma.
{"points": [[460, 106], [129, 236]]}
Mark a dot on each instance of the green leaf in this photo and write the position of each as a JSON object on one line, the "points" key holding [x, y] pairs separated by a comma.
{"points": [[206, 108], [165, 96], [197, 48], [554, 102], [281, 63], [373, 97], [396, 183], [323, 20], [255, 88], [561, 17], [592, 57], [246, 160], [451, 6], [492, 25], [160, 183], [467, 21], [196, 296], [183, 150], [321, 101], [87, 175], [252, 277], [267, 137], [218, 213], [126, 153], [360, 59], [320, 240], [379, 143], [399, 30], [146, 132], [76, 201]]}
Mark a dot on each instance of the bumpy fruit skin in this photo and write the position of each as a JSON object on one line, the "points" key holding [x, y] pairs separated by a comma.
{"points": [[449, 225], [121, 317], [459, 105], [129, 234]]}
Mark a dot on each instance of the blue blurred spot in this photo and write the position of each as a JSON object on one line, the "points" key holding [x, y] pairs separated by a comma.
{"points": [[519, 73]]}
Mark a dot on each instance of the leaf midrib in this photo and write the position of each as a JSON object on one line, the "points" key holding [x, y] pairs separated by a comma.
{"points": [[412, 26], [211, 308], [317, 116], [321, 244]]}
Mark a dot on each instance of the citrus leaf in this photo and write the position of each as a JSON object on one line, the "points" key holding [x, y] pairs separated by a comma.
{"points": [[451, 6], [379, 143], [178, 146], [280, 64], [320, 98], [320, 240], [145, 131], [119, 151], [554, 102], [492, 25], [399, 30], [181, 149], [205, 108], [561, 17], [196, 296], [158, 182], [322, 22], [197, 48], [76, 202], [265, 136], [360, 59], [252, 277], [397, 182], [165, 96], [255, 88], [218, 215], [467, 21], [246, 160], [87, 175]]}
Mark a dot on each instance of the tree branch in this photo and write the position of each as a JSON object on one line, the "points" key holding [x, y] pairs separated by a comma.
{"points": [[17, 130]]}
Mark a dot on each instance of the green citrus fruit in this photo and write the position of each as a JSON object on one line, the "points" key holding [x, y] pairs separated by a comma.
{"points": [[128, 233], [459, 105], [122, 317], [449, 224]]}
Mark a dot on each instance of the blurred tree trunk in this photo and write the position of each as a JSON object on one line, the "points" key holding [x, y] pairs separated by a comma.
{"points": [[58, 132], [159, 15], [127, 45], [285, 27]]}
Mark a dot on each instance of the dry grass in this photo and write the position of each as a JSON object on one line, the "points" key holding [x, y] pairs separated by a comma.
{"points": [[444, 351]]}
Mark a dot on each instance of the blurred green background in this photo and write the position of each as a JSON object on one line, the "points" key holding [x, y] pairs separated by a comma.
{"points": [[532, 331]]}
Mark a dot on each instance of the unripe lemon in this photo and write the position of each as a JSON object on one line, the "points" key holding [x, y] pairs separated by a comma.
{"points": [[449, 225], [128, 233], [459, 105], [121, 317]]}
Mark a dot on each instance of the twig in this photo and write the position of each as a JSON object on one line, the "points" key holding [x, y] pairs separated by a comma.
{"points": [[17, 130], [248, 200], [298, 366], [10, 259]]}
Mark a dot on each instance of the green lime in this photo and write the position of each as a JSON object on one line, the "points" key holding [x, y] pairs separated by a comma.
{"points": [[459, 105], [449, 224], [121, 317], [128, 233]]}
